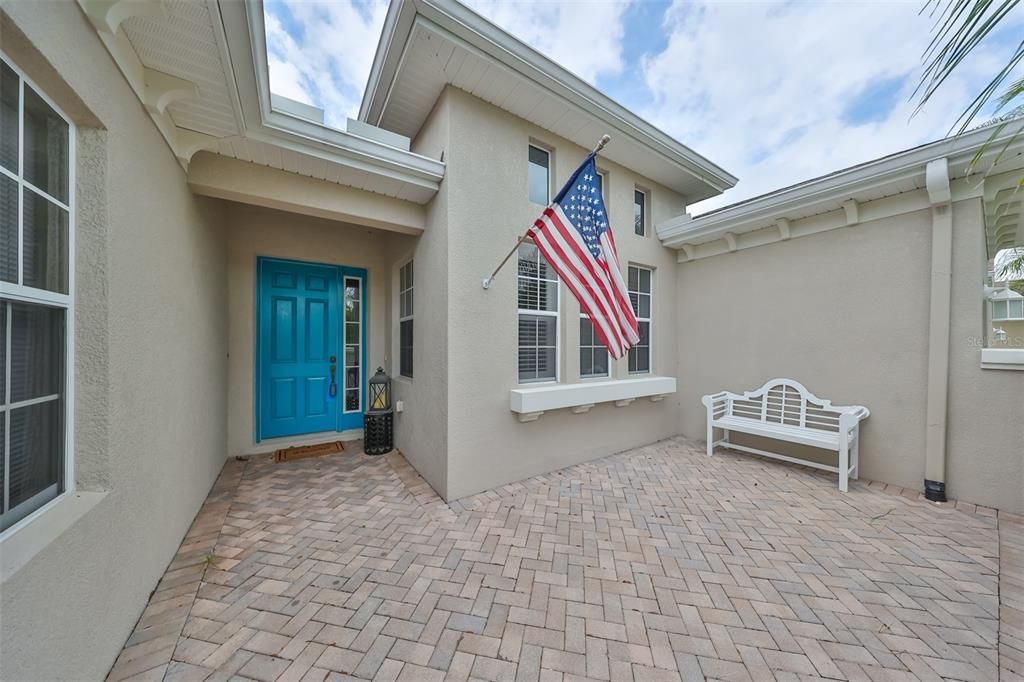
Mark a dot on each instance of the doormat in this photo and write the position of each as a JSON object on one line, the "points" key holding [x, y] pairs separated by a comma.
{"points": [[304, 451]]}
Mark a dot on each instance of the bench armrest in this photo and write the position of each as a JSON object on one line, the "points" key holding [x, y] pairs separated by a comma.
{"points": [[850, 418], [715, 400]]}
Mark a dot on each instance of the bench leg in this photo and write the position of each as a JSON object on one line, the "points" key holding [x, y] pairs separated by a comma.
{"points": [[711, 436], [855, 456], [844, 466]]}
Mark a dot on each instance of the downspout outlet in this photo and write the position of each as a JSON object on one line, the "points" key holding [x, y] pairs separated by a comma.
{"points": [[934, 491]]}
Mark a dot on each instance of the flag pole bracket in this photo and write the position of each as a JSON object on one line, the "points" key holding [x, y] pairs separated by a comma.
{"points": [[486, 282]]}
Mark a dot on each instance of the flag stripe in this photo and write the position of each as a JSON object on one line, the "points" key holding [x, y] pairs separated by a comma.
{"points": [[612, 286], [595, 278], [575, 237], [586, 275], [547, 241], [627, 316], [615, 348]]}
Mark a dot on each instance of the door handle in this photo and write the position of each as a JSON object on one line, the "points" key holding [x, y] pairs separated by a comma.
{"points": [[333, 390]]}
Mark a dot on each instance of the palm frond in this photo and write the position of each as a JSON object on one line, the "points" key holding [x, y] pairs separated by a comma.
{"points": [[960, 26]]}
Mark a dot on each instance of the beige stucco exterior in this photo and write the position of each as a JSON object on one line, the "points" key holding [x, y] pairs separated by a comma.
{"points": [[165, 334], [254, 231], [421, 429], [985, 428], [487, 445], [150, 409], [846, 312]]}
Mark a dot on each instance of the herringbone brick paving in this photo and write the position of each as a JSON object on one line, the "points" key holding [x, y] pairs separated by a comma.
{"points": [[658, 563]]}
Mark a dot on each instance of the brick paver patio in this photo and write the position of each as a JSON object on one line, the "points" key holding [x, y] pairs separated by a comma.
{"points": [[658, 563]]}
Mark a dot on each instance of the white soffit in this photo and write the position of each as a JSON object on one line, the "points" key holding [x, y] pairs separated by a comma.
{"points": [[202, 76], [183, 43], [888, 186], [428, 44]]}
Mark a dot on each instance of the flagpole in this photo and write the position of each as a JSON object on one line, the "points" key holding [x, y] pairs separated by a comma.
{"points": [[487, 281]]}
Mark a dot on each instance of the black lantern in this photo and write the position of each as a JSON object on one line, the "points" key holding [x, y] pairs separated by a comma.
{"points": [[379, 419], [380, 391]]}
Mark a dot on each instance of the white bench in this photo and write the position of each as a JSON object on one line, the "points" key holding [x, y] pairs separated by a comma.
{"points": [[784, 410]]}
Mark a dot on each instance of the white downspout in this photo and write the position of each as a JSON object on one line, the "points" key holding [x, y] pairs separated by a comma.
{"points": [[937, 183]]}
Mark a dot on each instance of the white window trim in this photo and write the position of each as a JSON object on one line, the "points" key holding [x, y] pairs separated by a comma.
{"points": [[1002, 358], [550, 154], [531, 402], [406, 318], [557, 314], [649, 320], [597, 344], [646, 211], [18, 292]]}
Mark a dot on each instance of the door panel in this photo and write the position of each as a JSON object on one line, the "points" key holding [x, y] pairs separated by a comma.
{"points": [[299, 331]]}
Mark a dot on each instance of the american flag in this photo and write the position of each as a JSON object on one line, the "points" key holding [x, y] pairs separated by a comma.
{"points": [[574, 236]]}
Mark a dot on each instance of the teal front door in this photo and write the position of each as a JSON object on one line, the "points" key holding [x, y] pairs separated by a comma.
{"points": [[310, 353]]}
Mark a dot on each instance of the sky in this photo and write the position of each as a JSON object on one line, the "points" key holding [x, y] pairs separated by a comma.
{"points": [[773, 92]]}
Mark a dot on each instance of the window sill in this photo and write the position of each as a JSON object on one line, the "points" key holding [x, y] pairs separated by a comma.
{"points": [[1002, 358], [32, 534], [531, 403]]}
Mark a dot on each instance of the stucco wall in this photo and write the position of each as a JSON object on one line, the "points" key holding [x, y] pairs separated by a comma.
{"points": [[150, 366], [985, 431], [487, 445], [844, 312], [254, 231], [421, 430]]}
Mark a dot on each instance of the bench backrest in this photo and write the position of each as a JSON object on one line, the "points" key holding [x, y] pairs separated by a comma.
{"points": [[784, 401]]}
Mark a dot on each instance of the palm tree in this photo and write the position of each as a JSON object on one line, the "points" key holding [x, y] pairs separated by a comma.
{"points": [[960, 27]]}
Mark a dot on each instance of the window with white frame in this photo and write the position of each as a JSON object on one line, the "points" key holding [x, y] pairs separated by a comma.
{"points": [[639, 284], [36, 300], [601, 177], [405, 321], [593, 353], [1008, 309], [639, 212], [539, 175], [537, 287], [1005, 293]]}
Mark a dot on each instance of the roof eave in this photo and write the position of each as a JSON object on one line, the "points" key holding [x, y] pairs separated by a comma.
{"points": [[493, 41], [247, 53], [763, 210]]}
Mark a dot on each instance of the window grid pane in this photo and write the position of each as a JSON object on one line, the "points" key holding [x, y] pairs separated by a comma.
{"points": [[538, 316], [640, 283], [593, 354], [35, 229], [45, 258], [639, 212], [538, 177], [9, 86], [405, 316], [46, 147], [32, 407], [353, 341], [9, 229]]}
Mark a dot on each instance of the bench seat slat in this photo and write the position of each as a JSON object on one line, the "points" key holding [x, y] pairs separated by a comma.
{"points": [[796, 434]]}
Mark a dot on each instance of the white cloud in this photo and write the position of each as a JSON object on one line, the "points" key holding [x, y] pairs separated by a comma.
{"points": [[584, 37], [321, 52], [762, 89]]}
